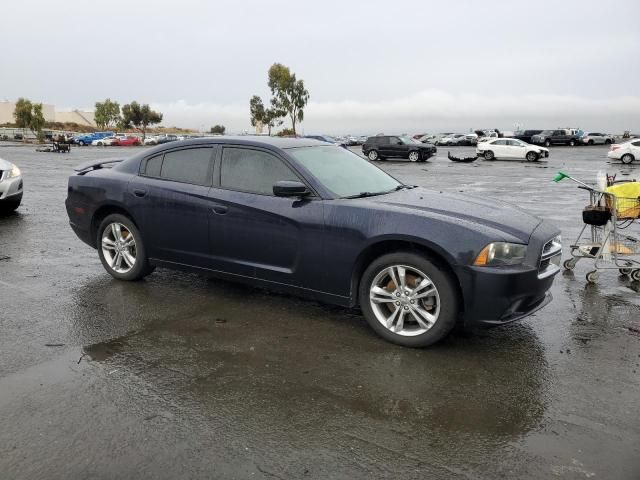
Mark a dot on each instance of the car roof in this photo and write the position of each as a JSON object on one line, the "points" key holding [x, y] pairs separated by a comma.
{"points": [[258, 140]]}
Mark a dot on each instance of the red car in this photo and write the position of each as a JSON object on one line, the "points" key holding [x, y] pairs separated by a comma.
{"points": [[127, 141]]}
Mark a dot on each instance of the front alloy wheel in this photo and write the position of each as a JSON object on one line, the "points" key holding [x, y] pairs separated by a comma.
{"points": [[414, 156], [532, 156], [373, 155], [408, 299], [404, 300]]}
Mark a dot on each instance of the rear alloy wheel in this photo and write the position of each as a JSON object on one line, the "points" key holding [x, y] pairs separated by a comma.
{"points": [[532, 156], [488, 155], [607, 142], [414, 156], [408, 300], [372, 155], [627, 158], [121, 250]]}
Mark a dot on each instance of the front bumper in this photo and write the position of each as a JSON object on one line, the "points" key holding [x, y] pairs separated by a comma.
{"points": [[11, 188], [500, 295]]}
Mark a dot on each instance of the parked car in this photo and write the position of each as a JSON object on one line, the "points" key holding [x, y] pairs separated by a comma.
{"points": [[106, 141], [471, 139], [317, 220], [127, 141], [151, 140], [386, 146], [627, 152], [525, 135], [11, 186], [89, 138], [167, 139], [328, 139], [595, 138], [509, 148], [556, 137]]}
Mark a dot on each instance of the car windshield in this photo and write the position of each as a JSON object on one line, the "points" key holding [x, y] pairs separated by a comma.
{"points": [[408, 141], [343, 172]]}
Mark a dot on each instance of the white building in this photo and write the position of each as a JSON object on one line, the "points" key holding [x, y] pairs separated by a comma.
{"points": [[50, 114]]}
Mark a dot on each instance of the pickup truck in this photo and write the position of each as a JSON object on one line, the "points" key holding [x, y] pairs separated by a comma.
{"points": [[556, 137], [87, 138]]}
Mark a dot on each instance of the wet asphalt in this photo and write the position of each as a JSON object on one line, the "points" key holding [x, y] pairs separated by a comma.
{"points": [[181, 376]]}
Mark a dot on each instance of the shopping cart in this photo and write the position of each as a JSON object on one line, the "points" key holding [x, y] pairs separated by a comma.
{"points": [[606, 236]]}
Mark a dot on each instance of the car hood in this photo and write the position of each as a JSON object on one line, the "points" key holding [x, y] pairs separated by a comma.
{"points": [[5, 165], [491, 213]]}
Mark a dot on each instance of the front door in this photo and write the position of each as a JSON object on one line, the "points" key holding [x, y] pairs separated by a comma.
{"points": [[170, 203], [397, 148], [253, 233]]}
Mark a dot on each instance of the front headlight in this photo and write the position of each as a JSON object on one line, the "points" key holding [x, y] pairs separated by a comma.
{"points": [[501, 253], [14, 172]]}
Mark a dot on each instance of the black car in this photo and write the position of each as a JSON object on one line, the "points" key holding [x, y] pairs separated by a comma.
{"points": [[556, 137], [167, 139], [317, 220], [525, 135], [386, 146]]}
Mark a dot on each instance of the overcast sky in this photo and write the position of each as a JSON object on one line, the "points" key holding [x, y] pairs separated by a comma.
{"points": [[370, 66]]}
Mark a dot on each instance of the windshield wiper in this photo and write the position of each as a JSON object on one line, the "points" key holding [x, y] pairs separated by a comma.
{"points": [[384, 192]]}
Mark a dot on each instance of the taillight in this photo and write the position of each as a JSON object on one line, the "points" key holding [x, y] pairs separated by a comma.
{"points": [[615, 146]]}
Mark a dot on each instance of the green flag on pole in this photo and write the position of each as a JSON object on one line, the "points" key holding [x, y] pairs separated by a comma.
{"points": [[560, 176]]}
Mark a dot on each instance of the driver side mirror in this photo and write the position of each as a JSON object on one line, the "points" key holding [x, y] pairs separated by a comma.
{"points": [[288, 188]]}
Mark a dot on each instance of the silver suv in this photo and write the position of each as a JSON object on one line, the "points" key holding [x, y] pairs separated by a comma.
{"points": [[595, 138], [10, 186]]}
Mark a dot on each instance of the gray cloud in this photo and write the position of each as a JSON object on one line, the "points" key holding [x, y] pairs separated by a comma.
{"points": [[405, 65]]}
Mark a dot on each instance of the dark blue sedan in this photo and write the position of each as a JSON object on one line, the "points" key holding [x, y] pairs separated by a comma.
{"points": [[313, 219]]}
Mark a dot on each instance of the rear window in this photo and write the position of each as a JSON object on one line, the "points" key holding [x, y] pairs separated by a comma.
{"points": [[191, 165]]}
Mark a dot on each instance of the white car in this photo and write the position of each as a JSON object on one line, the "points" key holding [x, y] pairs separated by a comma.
{"points": [[595, 138], [10, 186], [151, 140], [626, 152], [104, 142], [510, 148]]}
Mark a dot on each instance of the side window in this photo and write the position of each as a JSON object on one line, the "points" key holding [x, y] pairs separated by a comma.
{"points": [[191, 165], [513, 143], [253, 171], [636, 144], [500, 142], [394, 140], [384, 140], [558, 132], [152, 166]]}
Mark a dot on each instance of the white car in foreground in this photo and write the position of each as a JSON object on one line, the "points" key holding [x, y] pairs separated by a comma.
{"points": [[507, 148], [10, 186], [625, 152]]}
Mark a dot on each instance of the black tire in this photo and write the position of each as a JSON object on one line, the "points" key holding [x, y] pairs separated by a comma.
{"points": [[488, 155], [572, 143], [547, 143], [415, 154], [81, 143], [590, 142], [141, 268], [373, 155], [627, 158], [10, 206], [446, 288], [532, 157], [607, 142]]}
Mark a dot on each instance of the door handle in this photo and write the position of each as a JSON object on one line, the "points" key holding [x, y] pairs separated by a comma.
{"points": [[139, 192], [219, 209]]}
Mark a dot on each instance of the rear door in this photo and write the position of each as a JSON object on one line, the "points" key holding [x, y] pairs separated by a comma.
{"points": [[499, 148], [170, 203], [384, 148], [253, 233]]}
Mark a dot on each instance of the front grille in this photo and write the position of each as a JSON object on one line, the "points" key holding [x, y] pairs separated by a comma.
{"points": [[550, 258]]}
